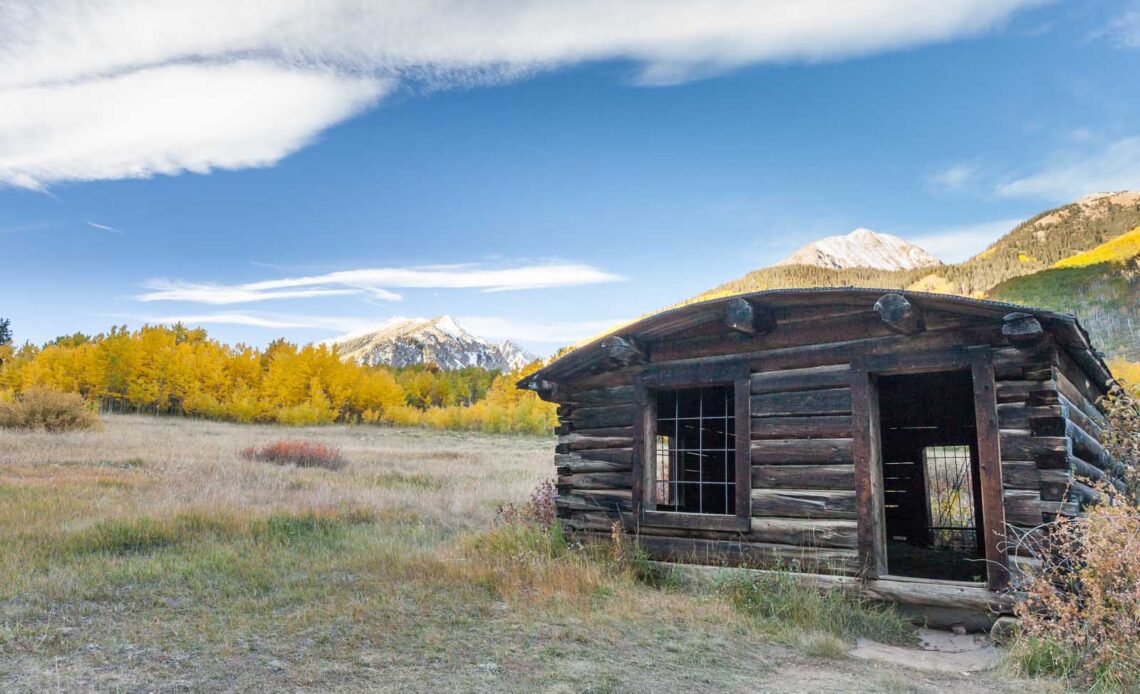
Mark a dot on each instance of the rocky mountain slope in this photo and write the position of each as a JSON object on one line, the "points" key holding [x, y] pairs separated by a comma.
{"points": [[439, 341], [862, 248], [1033, 247]]}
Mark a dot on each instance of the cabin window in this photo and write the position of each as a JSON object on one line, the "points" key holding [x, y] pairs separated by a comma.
{"points": [[695, 452]]}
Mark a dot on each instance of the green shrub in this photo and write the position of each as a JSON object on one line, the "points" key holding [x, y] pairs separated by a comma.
{"points": [[48, 410], [781, 599]]}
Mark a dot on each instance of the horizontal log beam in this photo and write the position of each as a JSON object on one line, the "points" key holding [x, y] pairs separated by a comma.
{"points": [[803, 503], [838, 477], [940, 594], [568, 443], [792, 380], [805, 533], [791, 451], [727, 553], [600, 417], [597, 480], [1046, 451], [819, 426], [812, 402]]}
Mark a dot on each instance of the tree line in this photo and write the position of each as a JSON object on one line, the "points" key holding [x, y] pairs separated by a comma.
{"points": [[177, 370]]}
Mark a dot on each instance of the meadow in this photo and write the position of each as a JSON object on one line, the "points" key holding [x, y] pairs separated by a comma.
{"points": [[153, 555]]}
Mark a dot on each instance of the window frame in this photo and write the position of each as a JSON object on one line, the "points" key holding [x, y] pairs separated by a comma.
{"points": [[646, 385]]}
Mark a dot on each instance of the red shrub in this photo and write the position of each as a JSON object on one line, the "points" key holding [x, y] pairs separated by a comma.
{"points": [[539, 509], [299, 453]]}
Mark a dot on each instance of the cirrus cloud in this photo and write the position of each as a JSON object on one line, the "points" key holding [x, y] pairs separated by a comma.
{"points": [[376, 283], [135, 88]]}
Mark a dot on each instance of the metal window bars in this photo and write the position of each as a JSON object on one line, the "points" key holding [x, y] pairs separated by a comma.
{"points": [[695, 467]]}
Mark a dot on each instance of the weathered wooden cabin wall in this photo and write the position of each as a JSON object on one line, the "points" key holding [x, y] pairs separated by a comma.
{"points": [[803, 478]]}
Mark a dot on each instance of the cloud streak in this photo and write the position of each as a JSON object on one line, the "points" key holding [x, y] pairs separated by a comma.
{"points": [[489, 327], [1113, 167], [136, 88], [377, 283]]}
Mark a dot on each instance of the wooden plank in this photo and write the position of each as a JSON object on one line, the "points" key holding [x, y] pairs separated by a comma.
{"points": [[694, 373], [595, 500], [806, 533], [598, 417], [790, 380], [803, 477], [1046, 451], [569, 464], [644, 425], [1031, 392], [1081, 419], [803, 503], [577, 442], [808, 427], [1020, 474], [990, 447], [1027, 508], [948, 595], [904, 362], [1074, 396], [841, 351], [828, 401], [690, 521], [1018, 415], [792, 451], [735, 553], [868, 475], [612, 455], [742, 453], [594, 397], [597, 480]]}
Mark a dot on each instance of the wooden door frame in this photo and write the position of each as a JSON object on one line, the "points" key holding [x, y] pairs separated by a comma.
{"points": [[869, 494]]}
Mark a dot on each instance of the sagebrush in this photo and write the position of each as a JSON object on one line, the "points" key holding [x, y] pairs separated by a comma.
{"points": [[1081, 617], [43, 409], [299, 453]]}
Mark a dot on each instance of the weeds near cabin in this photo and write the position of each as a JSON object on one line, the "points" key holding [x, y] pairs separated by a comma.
{"points": [[41, 409], [1080, 619], [783, 603], [298, 453]]}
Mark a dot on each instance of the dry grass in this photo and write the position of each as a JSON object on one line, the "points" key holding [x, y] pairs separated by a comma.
{"points": [[152, 556]]}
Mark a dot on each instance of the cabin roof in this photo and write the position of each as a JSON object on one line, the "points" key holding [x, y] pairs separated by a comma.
{"points": [[588, 357]]}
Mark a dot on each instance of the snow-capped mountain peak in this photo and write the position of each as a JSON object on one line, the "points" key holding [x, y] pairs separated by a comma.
{"points": [[441, 341], [862, 248]]}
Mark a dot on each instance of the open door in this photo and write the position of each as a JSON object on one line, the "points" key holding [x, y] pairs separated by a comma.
{"points": [[928, 479], [931, 482]]}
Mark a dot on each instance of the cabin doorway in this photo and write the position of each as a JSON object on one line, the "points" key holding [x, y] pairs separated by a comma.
{"points": [[931, 482]]}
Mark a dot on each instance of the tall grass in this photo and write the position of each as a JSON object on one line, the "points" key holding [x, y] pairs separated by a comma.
{"points": [[781, 602]]}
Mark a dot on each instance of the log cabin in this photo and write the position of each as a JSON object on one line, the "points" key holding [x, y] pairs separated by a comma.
{"points": [[896, 442]]}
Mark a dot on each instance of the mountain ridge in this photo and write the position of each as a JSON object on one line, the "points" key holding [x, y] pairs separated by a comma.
{"points": [[1031, 248], [862, 248], [440, 341]]}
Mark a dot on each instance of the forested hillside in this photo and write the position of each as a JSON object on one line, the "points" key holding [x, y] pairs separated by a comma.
{"points": [[1102, 294], [1101, 286]]}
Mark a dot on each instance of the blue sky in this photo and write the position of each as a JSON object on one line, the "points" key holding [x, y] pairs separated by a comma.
{"points": [[537, 175]]}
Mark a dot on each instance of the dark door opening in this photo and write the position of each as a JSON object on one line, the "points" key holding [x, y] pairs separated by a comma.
{"points": [[931, 487]]}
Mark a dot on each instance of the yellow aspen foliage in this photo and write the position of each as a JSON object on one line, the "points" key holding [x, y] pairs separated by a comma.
{"points": [[180, 371]]}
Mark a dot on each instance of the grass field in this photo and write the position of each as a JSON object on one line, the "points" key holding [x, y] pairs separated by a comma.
{"points": [[151, 556]]}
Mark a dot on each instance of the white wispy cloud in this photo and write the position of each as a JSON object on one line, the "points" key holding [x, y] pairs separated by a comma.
{"points": [[1115, 166], [954, 178], [131, 88], [377, 283], [169, 119], [955, 244], [104, 227], [490, 327], [1123, 31]]}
